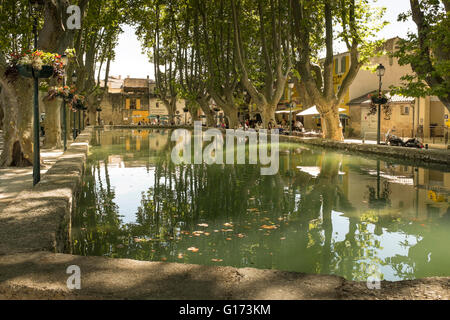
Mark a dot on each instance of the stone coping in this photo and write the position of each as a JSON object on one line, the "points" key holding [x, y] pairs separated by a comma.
{"points": [[42, 275], [35, 227], [39, 219], [412, 155], [437, 158]]}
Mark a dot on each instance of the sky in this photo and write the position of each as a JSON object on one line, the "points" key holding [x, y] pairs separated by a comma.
{"points": [[130, 60]]}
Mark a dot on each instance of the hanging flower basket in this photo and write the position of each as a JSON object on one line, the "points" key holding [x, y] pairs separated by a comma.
{"points": [[216, 109], [186, 110], [26, 70], [44, 65], [380, 100], [99, 109]]}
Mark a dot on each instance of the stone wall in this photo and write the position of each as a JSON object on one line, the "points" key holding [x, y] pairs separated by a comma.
{"points": [[438, 158], [40, 219]]}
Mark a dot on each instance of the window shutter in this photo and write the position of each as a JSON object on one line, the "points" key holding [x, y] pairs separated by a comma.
{"points": [[138, 104], [127, 104], [344, 65]]}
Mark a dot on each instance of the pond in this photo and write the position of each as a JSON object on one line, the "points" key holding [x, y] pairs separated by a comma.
{"points": [[325, 212]]}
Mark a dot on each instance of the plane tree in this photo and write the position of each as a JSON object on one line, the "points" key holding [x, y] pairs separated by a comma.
{"points": [[427, 51], [263, 51], [317, 26]]}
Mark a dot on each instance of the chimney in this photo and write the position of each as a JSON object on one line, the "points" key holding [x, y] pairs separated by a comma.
{"points": [[120, 77], [148, 77], [128, 77]]}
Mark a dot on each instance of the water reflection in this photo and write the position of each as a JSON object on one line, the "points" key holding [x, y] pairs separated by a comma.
{"points": [[324, 212]]}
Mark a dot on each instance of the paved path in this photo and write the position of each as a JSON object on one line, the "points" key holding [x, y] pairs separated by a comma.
{"points": [[15, 180]]}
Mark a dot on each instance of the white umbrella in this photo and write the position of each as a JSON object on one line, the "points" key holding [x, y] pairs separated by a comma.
{"points": [[282, 111], [313, 111]]}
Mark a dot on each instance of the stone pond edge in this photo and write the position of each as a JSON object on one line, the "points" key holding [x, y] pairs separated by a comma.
{"points": [[29, 268]]}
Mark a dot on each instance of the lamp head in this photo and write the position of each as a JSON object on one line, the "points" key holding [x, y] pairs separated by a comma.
{"points": [[35, 6], [36, 3], [381, 70], [291, 84], [65, 59], [74, 77]]}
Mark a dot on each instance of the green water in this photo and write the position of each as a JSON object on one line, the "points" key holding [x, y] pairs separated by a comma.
{"points": [[324, 213]]}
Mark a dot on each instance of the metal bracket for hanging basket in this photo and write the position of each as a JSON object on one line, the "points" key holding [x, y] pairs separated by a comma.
{"points": [[26, 70]]}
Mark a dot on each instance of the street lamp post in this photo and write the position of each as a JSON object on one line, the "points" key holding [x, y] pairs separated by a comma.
{"points": [[380, 73], [186, 110], [65, 61], [34, 8], [74, 80], [99, 109], [79, 121], [291, 86]]}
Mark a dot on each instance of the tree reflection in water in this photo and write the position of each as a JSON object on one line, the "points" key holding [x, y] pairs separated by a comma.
{"points": [[296, 221]]}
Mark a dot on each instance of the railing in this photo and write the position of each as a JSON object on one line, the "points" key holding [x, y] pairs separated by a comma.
{"points": [[437, 135], [371, 135]]}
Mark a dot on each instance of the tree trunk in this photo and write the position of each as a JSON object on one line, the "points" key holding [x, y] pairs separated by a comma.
{"points": [[268, 115], [233, 120], [18, 135], [331, 125], [91, 119], [2, 115], [52, 124], [210, 114]]}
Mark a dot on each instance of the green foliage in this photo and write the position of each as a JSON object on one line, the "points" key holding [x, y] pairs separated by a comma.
{"points": [[427, 51]]}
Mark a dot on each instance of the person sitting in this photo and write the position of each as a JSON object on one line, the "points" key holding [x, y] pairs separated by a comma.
{"points": [[299, 126]]}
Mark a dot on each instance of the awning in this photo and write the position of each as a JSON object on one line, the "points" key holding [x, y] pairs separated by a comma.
{"points": [[342, 116], [313, 111], [288, 111]]}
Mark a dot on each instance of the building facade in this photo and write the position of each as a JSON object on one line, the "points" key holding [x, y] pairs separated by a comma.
{"points": [[131, 101]]}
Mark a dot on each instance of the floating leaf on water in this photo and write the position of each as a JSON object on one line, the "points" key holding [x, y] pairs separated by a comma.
{"points": [[193, 249], [137, 240], [207, 234], [180, 256], [253, 210], [269, 227], [164, 259], [240, 235], [197, 233], [228, 224], [228, 239], [227, 230], [216, 231], [205, 225], [284, 238], [216, 260]]}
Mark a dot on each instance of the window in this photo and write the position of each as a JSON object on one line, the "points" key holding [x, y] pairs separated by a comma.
{"points": [[157, 105], [405, 110], [344, 65], [336, 66]]}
